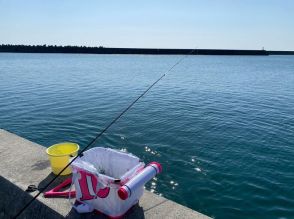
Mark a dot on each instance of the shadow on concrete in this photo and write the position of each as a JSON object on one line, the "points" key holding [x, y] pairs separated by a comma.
{"points": [[135, 212], [41, 165], [55, 183], [14, 198]]}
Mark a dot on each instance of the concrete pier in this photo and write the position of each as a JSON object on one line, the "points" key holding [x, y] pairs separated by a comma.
{"points": [[24, 163]]}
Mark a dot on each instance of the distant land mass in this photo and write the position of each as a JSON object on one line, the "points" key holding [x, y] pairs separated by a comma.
{"points": [[142, 51]]}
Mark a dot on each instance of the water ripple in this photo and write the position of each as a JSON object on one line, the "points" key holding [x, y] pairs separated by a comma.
{"points": [[222, 127]]}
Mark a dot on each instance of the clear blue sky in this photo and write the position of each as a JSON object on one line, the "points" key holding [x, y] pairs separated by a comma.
{"points": [[234, 24]]}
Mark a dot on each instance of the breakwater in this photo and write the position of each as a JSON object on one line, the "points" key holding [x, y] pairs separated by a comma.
{"points": [[281, 52], [142, 51]]}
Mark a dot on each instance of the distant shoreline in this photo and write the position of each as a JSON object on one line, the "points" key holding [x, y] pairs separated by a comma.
{"points": [[138, 51]]}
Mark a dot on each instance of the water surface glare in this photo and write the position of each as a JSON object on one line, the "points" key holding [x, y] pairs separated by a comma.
{"points": [[222, 127]]}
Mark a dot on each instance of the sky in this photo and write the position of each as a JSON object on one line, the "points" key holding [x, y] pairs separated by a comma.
{"points": [[207, 24]]}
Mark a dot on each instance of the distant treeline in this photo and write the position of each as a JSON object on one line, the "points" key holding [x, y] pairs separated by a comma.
{"points": [[104, 50]]}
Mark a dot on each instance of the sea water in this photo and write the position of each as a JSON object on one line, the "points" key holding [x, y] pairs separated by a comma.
{"points": [[221, 126]]}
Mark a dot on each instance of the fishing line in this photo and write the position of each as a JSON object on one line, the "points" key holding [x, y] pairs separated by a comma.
{"points": [[101, 133]]}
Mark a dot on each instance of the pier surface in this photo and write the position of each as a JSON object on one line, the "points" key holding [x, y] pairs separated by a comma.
{"points": [[25, 163]]}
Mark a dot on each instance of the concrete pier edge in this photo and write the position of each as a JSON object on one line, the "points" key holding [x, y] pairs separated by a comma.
{"points": [[25, 163]]}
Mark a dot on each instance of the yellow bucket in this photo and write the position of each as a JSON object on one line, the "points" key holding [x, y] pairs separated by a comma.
{"points": [[59, 155]]}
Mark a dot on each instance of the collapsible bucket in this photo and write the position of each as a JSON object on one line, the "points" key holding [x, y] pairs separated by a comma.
{"points": [[59, 156], [110, 181]]}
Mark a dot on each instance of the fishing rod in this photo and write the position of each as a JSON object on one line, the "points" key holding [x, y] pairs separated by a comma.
{"points": [[80, 154]]}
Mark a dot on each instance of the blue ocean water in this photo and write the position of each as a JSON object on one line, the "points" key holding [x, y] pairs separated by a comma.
{"points": [[222, 126]]}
